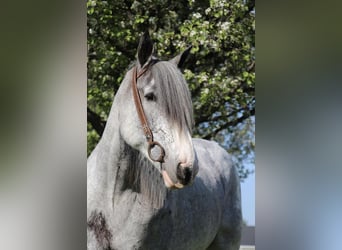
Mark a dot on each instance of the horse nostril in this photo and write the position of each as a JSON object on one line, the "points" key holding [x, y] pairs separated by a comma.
{"points": [[184, 174], [187, 174]]}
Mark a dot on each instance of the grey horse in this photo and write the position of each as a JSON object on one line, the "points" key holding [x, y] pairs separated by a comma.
{"points": [[188, 199]]}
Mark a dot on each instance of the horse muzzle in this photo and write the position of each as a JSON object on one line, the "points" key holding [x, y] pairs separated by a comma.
{"points": [[184, 173], [184, 176]]}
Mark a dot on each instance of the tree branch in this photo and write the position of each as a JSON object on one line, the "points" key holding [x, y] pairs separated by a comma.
{"points": [[96, 122], [251, 67], [230, 124], [251, 6], [205, 118]]}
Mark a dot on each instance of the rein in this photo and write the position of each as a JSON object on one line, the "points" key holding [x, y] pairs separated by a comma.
{"points": [[141, 114]]}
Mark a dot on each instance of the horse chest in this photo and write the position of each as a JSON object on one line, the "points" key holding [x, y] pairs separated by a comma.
{"points": [[180, 224]]}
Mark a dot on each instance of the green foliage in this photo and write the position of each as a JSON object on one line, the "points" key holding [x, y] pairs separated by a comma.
{"points": [[220, 70]]}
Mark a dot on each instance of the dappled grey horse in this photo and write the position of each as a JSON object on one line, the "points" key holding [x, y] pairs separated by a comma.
{"points": [[150, 185]]}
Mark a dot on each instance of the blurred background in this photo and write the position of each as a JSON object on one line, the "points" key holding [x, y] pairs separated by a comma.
{"points": [[43, 99], [299, 123]]}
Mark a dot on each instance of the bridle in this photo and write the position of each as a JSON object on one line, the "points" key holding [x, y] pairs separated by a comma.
{"points": [[141, 114]]}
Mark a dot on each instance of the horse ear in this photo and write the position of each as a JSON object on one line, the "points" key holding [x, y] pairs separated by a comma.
{"points": [[180, 59], [145, 49]]}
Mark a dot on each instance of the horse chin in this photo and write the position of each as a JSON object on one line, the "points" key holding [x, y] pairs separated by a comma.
{"points": [[169, 183]]}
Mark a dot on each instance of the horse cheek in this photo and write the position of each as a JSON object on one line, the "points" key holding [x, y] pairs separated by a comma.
{"points": [[130, 130]]}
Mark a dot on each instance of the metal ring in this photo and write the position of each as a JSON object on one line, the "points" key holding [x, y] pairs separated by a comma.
{"points": [[151, 145]]}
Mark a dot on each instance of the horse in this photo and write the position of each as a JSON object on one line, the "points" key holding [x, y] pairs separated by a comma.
{"points": [[149, 184]]}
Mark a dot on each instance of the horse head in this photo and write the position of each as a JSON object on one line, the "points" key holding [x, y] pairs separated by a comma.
{"points": [[164, 98]]}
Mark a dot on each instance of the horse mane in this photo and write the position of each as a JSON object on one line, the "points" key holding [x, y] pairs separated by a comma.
{"points": [[174, 92], [143, 178]]}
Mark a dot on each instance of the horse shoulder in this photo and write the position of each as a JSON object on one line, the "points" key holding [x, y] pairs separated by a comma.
{"points": [[215, 161], [213, 158]]}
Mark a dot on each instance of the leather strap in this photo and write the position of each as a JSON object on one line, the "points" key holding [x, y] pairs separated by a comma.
{"points": [[141, 114], [138, 105]]}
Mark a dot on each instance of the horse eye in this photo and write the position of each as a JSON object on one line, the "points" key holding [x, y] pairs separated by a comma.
{"points": [[150, 97]]}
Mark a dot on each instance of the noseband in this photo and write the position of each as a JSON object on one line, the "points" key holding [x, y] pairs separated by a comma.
{"points": [[147, 131]]}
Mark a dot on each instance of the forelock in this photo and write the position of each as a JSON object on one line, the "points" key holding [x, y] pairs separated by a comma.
{"points": [[174, 93]]}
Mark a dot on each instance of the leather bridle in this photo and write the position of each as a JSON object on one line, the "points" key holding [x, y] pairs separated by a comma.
{"points": [[141, 114]]}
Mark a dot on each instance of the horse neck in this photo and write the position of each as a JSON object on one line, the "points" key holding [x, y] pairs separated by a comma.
{"points": [[142, 178], [103, 164], [122, 170]]}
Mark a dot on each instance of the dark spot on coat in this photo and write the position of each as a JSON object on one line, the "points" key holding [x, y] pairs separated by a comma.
{"points": [[97, 223]]}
